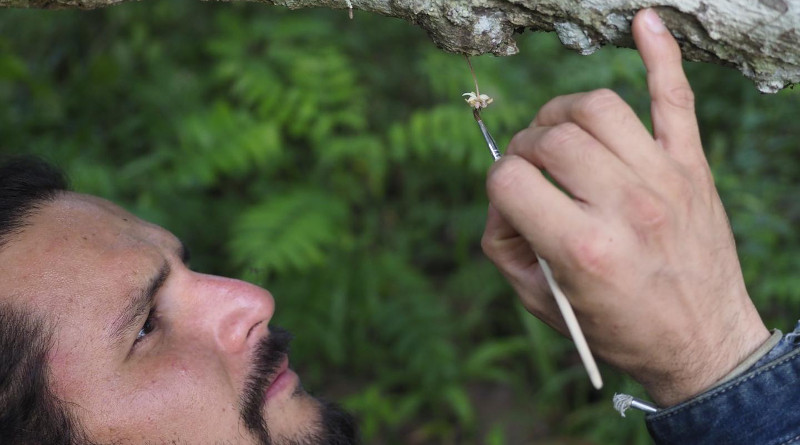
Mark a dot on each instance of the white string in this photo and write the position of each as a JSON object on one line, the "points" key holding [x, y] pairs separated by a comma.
{"points": [[622, 402]]}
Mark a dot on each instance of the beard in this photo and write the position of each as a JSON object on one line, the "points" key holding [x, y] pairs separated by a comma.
{"points": [[334, 427]]}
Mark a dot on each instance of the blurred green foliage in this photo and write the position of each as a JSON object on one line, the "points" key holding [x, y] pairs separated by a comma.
{"points": [[334, 162]]}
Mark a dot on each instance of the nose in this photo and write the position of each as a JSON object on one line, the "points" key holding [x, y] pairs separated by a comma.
{"points": [[238, 312]]}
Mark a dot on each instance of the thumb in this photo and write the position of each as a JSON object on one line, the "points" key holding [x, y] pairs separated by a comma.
{"points": [[672, 100]]}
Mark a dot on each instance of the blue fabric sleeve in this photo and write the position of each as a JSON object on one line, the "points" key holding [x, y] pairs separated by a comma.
{"points": [[759, 407]]}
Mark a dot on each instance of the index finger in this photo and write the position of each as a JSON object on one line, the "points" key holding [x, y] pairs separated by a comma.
{"points": [[674, 120]]}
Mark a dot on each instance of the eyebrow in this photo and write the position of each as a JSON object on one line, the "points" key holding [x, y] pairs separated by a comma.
{"points": [[142, 300], [139, 304]]}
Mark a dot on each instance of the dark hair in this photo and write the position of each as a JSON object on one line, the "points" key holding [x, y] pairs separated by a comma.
{"points": [[29, 412], [25, 183]]}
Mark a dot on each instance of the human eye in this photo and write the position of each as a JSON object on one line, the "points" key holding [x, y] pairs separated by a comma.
{"points": [[149, 325]]}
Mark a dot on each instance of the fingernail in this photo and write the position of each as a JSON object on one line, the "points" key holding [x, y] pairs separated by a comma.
{"points": [[654, 23]]}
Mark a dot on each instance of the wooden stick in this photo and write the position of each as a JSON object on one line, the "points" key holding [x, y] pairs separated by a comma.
{"points": [[561, 300], [572, 325]]}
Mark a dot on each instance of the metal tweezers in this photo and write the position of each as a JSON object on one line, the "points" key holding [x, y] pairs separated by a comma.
{"points": [[561, 300]]}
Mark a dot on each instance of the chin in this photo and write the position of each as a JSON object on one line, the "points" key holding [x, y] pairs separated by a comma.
{"points": [[291, 417], [304, 420]]}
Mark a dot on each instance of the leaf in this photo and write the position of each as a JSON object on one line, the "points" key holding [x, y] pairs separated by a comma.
{"points": [[222, 142], [460, 403], [289, 232], [484, 360]]}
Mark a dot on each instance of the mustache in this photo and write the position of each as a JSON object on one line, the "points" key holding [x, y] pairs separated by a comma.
{"points": [[266, 360]]}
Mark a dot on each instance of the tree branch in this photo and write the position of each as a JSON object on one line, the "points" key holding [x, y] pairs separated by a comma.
{"points": [[760, 38]]}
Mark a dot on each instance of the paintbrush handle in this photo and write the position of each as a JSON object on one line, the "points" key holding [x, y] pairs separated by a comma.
{"points": [[561, 300], [572, 325]]}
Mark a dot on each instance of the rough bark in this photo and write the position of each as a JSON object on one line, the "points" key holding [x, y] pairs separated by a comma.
{"points": [[760, 38]]}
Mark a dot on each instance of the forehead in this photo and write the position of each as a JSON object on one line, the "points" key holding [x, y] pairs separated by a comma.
{"points": [[78, 254]]}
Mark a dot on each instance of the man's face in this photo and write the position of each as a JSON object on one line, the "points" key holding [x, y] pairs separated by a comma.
{"points": [[148, 351]]}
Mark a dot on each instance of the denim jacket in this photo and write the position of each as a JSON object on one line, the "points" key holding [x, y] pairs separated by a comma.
{"points": [[758, 407]]}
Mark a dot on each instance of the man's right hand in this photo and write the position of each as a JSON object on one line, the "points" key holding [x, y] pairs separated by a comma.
{"points": [[639, 240]]}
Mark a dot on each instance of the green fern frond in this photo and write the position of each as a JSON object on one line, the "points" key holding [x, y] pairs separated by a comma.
{"points": [[289, 232], [222, 142], [363, 156]]}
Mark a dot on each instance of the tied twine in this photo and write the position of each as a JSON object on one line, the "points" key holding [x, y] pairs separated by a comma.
{"points": [[622, 402]]}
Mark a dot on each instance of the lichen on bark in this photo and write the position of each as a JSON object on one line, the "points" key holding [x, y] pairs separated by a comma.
{"points": [[760, 38]]}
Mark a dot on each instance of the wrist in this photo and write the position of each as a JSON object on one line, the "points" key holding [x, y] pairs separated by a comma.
{"points": [[709, 365]]}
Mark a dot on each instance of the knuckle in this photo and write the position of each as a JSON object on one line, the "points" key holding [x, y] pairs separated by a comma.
{"points": [[645, 208], [488, 245], [590, 252], [517, 145], [560, 135], [681, 96], [596, 102], [545, 114]]}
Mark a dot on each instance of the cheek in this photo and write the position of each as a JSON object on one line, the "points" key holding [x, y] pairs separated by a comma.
{"points": [[73, 371], [64, 381], [175, 386], [173, 398]]}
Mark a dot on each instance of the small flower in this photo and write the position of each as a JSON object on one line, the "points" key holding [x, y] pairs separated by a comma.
{"points": [[478, 102]]}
